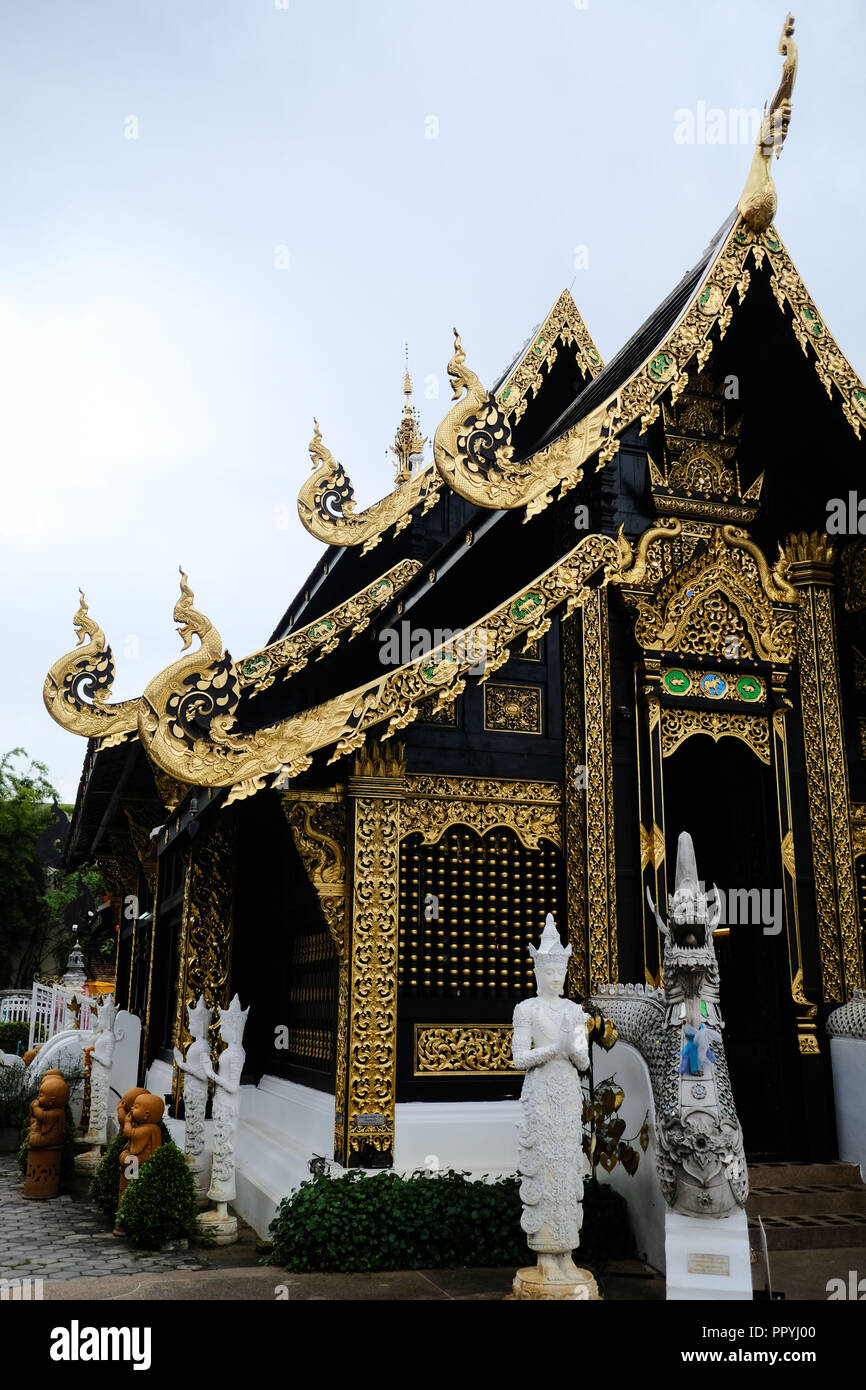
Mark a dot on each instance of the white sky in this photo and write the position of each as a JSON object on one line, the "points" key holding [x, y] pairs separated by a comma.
{"points": [[159, 374]]}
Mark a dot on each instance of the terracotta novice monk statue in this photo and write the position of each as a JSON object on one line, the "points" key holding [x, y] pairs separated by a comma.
{"points": [[126, 1102], [47, 1131], [143, 1136]]}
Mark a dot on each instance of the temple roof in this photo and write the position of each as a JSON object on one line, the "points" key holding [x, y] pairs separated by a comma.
{"points": [[642, 344]]}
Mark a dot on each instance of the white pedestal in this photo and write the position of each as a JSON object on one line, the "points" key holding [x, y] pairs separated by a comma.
{"points": [[707, 1257], [848, 1058]]}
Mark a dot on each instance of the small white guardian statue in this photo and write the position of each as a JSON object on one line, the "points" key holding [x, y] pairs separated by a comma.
{"points": [[100, 1070], [195, 1082], [550, 1045], [217, 1224]]}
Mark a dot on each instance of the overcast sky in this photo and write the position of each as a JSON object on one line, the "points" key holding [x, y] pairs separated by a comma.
{"points": [[220, 219]]}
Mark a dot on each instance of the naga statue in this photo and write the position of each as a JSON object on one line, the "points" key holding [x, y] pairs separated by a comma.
{"points": [[678, 1030]]}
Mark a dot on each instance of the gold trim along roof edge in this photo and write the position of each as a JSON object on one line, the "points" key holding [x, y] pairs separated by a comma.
{"points": [[326, 501], [563, 325], [77, 686], [187, 711], [560, 464]]}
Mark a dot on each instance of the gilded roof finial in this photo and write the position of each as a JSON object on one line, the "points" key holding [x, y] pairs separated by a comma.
{"points": [[408, 441], [758, 202]]}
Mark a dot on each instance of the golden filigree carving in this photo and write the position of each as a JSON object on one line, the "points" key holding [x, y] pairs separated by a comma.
{"points": [[812, 333], [145, 849], [513, 708], [652, 847], [562, 327], [431, 805], [810, 561], [724, 592], [468, 1049], [186, 719], [574, 792], [680, 724], [854, 577], [430, 712], [77, 687], [319, 831], [758, 201], [858, 828], [326, 502], [206, 929], [600, 860], [322, 636], [372, 1042]]}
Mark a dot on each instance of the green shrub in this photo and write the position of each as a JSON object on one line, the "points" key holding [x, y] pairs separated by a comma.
{"points": [[160, 1204], [11, 1034], [355, 1222], [106, 1177]]}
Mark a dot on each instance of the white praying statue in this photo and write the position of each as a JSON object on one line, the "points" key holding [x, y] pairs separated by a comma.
{"points": [[550, 1045], [225, 1109], [195, 1083]]}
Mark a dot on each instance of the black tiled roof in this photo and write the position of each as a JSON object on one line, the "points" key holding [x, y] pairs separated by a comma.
{"points": [[640, 345]]}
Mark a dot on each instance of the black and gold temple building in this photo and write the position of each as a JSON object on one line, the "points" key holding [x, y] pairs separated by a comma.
{"points": [[620, 616]]}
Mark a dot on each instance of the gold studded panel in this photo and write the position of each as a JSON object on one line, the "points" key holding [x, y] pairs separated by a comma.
{"points": [[469, 906]]}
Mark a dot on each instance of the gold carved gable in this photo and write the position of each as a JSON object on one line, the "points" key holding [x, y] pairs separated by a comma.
{"points": [[724, 599]]}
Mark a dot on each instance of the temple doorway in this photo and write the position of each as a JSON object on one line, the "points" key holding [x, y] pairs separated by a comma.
{"points": [[726, 798]]}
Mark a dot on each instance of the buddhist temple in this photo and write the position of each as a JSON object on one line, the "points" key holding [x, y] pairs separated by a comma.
{"points": [[601, 606]]}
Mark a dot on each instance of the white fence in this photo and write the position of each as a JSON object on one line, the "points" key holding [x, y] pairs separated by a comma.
{"points": [[50, 1012], [15, 1008]]}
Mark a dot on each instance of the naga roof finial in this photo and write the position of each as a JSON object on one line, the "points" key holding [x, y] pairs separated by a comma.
{"points": [[408, 441], [758, 202]]}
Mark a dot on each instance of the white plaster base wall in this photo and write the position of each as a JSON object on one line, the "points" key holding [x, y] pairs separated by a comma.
{"points": [[696, 1246], [848, 1059], [281, 1126], [478, 1136], [646, 1205], [158, 1079]]}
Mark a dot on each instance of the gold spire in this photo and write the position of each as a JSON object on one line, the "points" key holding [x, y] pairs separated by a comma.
{"points": [[758, 202], [408, 441]]}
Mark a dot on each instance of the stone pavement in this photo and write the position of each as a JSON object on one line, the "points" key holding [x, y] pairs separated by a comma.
{"points": [[68, 1245], [68, 1239]]}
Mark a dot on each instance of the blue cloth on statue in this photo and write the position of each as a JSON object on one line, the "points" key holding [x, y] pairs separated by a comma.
{"points": [[689, 1061]]}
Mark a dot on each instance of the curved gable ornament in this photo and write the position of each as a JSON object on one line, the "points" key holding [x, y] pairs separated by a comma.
{"points": [[326, 502], [473, 452], [77, 687]]}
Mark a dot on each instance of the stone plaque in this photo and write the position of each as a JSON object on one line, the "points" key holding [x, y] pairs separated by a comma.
{"points": [[708, 1264]]}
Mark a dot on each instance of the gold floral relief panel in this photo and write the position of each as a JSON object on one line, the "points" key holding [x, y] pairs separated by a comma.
{"points": [[471, 1049], [513, 709]]}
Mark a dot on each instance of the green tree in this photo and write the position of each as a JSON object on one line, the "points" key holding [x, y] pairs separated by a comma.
{"points": [[33, 898]]}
